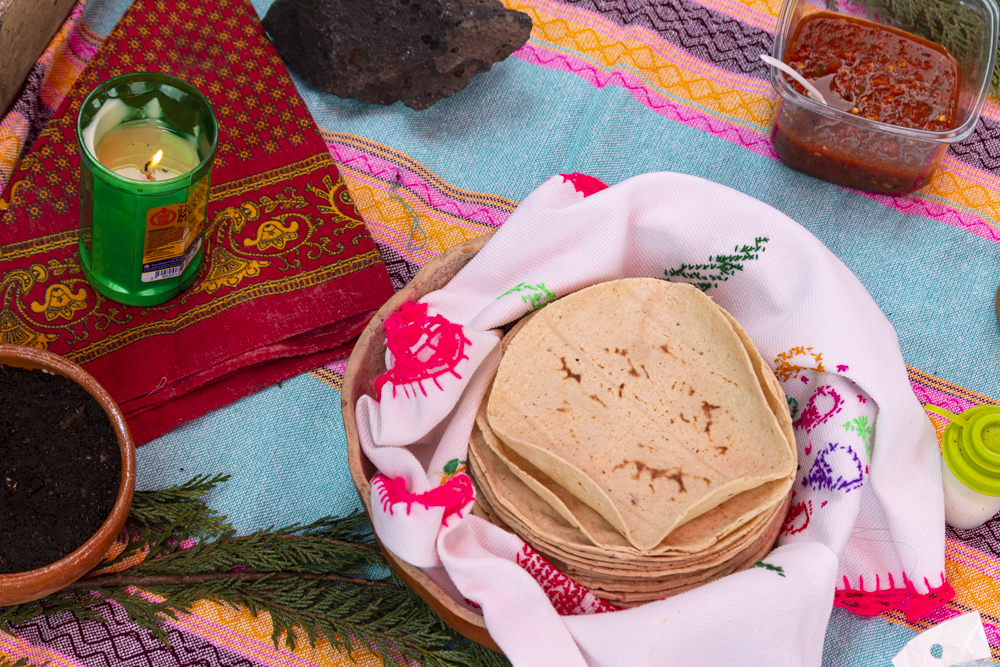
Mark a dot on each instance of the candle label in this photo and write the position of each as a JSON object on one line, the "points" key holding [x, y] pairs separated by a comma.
{"points": [[173, 235]]}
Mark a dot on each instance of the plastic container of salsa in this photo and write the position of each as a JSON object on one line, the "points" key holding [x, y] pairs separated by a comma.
{"points": [[851, 144]]}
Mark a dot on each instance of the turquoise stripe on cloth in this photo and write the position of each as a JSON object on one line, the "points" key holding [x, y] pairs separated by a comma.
{"points": [[853, 641], [897, 257], [285, 448]]}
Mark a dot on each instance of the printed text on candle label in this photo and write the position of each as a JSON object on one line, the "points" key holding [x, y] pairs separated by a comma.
{"points": [[173, 236]]}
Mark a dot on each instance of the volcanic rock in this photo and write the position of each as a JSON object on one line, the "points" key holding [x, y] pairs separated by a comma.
{"points": [[381, 51]]}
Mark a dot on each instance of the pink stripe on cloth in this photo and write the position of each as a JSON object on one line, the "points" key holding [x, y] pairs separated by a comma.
{"points": [[386, 171], [14, 648], [752, 139], [972, 558], [338, 367], [992, 631], [61, 65], [238, 642], [49, 79], [939, 398], [79, 47], [914, 205]]}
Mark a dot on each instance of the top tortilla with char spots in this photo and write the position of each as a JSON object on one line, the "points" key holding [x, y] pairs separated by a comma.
{"points": [[638, 397]]}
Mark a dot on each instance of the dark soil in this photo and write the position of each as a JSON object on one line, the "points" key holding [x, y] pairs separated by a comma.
{"points": [[60, 468]]}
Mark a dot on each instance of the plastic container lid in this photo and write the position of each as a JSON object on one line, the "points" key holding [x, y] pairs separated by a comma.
{"points": [[971, 447]]}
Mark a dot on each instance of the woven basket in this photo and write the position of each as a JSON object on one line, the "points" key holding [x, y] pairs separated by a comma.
{"points": [[367, 362]]}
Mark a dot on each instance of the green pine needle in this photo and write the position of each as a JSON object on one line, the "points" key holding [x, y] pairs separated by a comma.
{"points": [[326, 580]]}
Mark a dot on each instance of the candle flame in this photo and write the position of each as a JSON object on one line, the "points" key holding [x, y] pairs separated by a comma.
{"points": [[151, 165]]}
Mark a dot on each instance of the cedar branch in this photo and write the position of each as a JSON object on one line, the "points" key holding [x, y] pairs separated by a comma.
{"points": [[123, 579], [319, 540]]}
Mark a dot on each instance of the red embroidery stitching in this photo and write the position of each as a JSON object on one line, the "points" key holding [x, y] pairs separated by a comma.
{"points": [[568, 597], [423, 347], [907, 600], [799, 512], [588, 185], [811, 416], [453, 495]]}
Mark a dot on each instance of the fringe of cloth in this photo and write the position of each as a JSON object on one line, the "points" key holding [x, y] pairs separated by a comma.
{"points": [[907, 599]]}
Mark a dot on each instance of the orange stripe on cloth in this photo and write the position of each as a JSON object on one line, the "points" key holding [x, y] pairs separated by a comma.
{"points": [[61, 77], [664, 69], [761, 14], [390, 220], [975, 577], [239, 631], [636, 39], [63, 66], [13, 134], [965, 187], [389, 154], [91, 37]]}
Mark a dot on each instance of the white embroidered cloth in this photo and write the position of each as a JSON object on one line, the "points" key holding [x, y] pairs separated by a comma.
{"points": [[867, 517]]}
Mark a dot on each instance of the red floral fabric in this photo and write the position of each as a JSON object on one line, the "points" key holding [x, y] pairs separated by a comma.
{"points": [[290, 274]]}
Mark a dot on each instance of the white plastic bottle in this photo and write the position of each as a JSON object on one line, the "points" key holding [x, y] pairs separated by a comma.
{"points": [[971, 466]]}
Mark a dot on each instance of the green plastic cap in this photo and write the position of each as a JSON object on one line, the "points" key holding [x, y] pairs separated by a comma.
{"points": [[972, 451]]}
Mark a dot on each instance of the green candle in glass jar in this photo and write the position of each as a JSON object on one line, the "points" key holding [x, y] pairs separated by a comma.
{"points": [[147, 142]]}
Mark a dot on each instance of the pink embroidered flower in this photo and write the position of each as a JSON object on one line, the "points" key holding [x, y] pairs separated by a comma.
{"points": [[424, 347], [812, 417], [453, 495], [588, 185]]}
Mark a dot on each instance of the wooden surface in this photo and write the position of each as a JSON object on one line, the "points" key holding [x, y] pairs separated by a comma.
{"points": [[26, 28], [24, 587], [367, 362]]}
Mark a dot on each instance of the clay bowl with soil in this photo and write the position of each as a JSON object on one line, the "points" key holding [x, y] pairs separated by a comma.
{"points": [[67, 473]]}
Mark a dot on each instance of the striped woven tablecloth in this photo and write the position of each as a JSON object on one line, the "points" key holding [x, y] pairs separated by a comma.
{"points": [[611, 88]]}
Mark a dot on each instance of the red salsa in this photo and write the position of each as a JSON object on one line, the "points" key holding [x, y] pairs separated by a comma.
{"points": [[877, 72]]}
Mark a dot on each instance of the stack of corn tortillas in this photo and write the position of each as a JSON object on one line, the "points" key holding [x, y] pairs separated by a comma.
{"points": [[635, 437]]}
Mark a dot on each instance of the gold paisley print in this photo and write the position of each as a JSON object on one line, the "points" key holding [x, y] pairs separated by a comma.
{"points": [[61, 301], [229, 271], [273, 234], [15, 332]]}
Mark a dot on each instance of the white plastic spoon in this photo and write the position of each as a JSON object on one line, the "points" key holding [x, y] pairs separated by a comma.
{"points": [[811, 89]]}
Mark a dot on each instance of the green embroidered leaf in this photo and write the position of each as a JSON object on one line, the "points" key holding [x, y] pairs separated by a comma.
{"points": [[860, 426], [768, 566], [535, 296], [720, 267], [451, 466]]}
